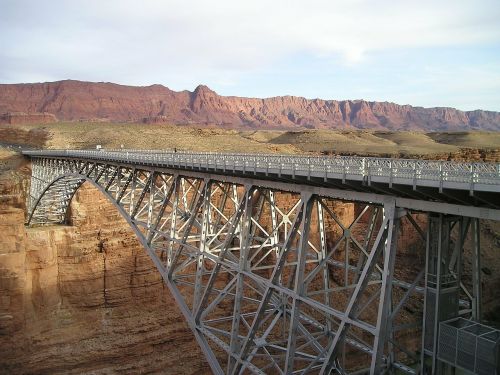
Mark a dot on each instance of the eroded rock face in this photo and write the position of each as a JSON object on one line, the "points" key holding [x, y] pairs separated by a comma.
{"points": [[76, 100], [86, 298], [27, 118]]}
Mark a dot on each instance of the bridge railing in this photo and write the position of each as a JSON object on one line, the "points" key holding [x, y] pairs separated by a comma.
{"points": [[364, 167]]}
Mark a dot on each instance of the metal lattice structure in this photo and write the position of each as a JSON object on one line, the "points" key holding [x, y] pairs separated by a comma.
{"points": [[289, 265]]}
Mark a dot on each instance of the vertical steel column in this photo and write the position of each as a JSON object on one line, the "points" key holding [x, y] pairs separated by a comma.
{"points": [[132, 192], [274, 243], [384, 324], [299, 286], [442, 283], [234, 189], [245, 225], [205, 223], [433, 268], [322, 257], [372, 221], [173, 222], [274, 223], [476, 271], [151, 203]]}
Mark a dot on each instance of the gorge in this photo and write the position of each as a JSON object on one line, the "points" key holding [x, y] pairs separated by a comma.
{"points": [[86, 298], [83, 298]]}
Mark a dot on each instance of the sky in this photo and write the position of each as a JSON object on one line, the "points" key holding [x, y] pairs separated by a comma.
{"points": [[422, 52]]}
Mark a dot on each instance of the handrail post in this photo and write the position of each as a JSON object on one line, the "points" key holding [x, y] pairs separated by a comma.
{"points": [[363, 170], [441, 177], [471, 190], [345, 171], [390, 173], [414, 175]]}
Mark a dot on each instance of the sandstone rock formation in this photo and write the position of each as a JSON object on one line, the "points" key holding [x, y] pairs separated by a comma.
{"points": [[76, 100], [27, 118], [85, 298]]}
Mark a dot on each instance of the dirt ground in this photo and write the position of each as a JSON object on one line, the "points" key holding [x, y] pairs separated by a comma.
{"points": [[141, 136]]}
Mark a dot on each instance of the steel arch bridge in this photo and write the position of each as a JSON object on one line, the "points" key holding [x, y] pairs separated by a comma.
{"points": [[294, 265]]}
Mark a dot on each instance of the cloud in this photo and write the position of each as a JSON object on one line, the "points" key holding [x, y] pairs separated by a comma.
{"points": [[179, 42], [243, 34]]}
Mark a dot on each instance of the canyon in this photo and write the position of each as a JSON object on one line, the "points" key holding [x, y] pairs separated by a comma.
{"points": [[85, 297], [72, 100]]}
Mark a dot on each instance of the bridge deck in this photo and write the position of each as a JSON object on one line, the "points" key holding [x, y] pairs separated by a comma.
{"points": [[473, 184]]}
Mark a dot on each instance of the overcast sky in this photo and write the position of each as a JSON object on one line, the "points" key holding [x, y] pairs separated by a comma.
{"points": [[421, 52]]}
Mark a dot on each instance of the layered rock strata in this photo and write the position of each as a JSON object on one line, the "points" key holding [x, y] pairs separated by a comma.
{"points": [[86, 298], [76, 100]]}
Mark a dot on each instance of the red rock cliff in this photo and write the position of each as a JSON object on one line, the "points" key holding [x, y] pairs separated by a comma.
{"points": [[76, 100], [85, 298]]}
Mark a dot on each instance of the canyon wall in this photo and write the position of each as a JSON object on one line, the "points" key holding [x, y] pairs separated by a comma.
{"points": [[75, 100], [27, 118], [85, 298]]}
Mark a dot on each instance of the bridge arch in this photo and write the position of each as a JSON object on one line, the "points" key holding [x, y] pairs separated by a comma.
{"points": [[73, 180], [69, 184], [72, 183]]}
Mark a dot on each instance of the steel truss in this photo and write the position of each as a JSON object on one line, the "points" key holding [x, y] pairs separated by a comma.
{"points": [[279, 282]]}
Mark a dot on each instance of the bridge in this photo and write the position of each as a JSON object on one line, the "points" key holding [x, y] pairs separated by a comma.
{"points": [[303, 264]]}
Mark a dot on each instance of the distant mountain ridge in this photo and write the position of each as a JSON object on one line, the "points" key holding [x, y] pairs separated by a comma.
{"points": [[91, 101]]}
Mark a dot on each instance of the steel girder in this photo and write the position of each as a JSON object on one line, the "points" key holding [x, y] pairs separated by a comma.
{"points": [[268, 281]]}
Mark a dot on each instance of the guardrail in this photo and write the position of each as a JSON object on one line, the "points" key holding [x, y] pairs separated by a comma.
{"points": [[364, 168]]}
